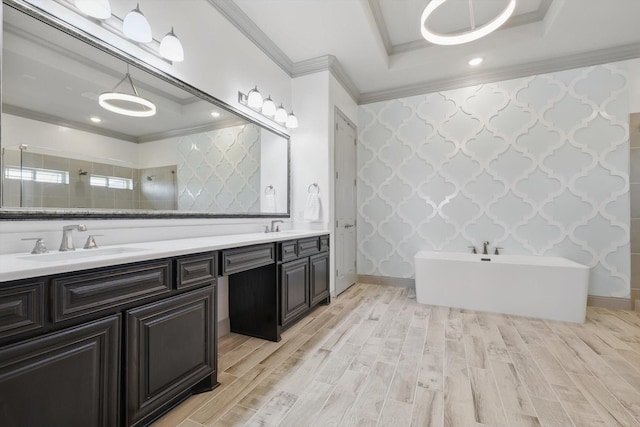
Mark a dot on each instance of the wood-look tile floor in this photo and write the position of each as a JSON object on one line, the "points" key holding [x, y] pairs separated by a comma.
{"points": [[377, 357]]}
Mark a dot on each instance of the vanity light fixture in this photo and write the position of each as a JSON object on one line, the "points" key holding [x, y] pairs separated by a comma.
{"points": [[281, 115], [127, 104], [136, 27], [474, 62], [267, 108], [466, 36], [292, 121], [254, 99], [171, 48], [100, 9]]}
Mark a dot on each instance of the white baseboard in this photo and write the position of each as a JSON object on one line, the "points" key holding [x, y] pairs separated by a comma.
{"points": [[224, 327], [387, 281], [609, 302]]}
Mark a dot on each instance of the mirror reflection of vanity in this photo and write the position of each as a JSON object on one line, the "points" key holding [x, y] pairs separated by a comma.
{"points": [[64, 154]]}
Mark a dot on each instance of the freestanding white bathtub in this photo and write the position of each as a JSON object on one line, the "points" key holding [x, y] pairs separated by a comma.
{"points": [[535, 286]]}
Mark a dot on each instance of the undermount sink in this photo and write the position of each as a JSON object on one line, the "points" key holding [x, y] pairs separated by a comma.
{"points": [[80, 254]]}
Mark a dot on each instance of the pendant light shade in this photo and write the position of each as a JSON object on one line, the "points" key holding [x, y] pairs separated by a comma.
{"points": [[292, 121], [100, 9], [171, 48], [269, 107], [254, 99], [127, 104], [136, 27], [464, 37], [281, 115]]}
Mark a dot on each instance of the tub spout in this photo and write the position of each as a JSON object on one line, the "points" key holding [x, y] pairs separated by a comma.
{"points": [[485, 250]]}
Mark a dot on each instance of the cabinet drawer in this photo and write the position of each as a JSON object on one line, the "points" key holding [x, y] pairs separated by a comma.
{"points": [[242, 259], [82, 294], [308, 246], [21, 308], [195, 270], [324, 243], [288, 250]]}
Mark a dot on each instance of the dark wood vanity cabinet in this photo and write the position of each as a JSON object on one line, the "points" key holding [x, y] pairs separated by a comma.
{"points": [[303, 277], [170, 347], [66, 378], [110, 346]]}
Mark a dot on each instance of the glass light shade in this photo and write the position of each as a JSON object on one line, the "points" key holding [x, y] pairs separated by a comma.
{"points": [[125, 104], [136, 27], [292, 121], [171, 48], [269, 107], [281, 115], [254, 99], [100, 9], [467, 36]]}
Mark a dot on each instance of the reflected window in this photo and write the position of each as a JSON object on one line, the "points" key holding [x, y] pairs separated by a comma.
{"points": [[37, 175], [111, 182]]}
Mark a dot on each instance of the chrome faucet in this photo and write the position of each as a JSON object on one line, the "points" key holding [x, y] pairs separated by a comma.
{"points": [[273, 225], [67, 237], [473, 249], [485, 251]]}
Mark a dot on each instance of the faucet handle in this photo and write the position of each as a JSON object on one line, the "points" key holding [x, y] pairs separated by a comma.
{"points": [[266, 228], [40, 247], [91, 241], [497, 251], [473, 249]]}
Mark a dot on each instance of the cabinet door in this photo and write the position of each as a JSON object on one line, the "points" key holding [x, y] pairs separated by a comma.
{"points": [[294, 281], [319, 277], [170, 348], [67, 378]]}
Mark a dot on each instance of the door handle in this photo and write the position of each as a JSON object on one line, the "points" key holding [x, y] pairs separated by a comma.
{"points": [[348, 226]]}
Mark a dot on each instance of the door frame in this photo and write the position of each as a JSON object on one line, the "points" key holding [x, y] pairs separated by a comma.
{"points": [[334, 272]]}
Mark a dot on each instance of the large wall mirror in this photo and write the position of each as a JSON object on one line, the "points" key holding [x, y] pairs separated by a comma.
{"points": [[64, 155]]}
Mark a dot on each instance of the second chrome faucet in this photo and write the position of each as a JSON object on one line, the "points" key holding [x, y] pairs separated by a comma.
{"points": [[67, 236]]}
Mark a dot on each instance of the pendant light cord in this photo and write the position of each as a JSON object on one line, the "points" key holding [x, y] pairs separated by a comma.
{"points": [[471, 15], [126, 77]]}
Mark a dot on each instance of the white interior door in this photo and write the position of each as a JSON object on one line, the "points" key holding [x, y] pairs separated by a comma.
{"points": [[345, 203]]}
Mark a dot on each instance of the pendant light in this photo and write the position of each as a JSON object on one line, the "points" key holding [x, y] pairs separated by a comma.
{"points": [[292, 121], [171, 48], [467, 36], [281, 115], [127, 104], [269, 107], [254, 99], [136, 27], [100, 9]]}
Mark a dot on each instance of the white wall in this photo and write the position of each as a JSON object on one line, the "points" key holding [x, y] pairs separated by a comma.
{"points": [[538, 165]]}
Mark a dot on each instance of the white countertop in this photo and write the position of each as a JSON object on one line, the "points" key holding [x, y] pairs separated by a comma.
{"points": [[24, 265]]}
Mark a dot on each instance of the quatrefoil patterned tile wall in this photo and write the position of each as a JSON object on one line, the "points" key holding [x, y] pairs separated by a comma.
{"points": [[537, 165], [219, 170]]}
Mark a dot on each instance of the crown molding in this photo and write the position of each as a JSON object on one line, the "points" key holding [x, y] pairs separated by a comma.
{"points": [[246, 26], [323, 63], [596, 57]]}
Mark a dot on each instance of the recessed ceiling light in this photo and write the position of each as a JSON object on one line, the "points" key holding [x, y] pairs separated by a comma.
{"points": [[96, 119], [474, 62], [215, 114]]}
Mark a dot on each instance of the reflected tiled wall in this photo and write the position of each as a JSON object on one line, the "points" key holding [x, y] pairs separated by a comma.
{"points": [[537, 165], [219, 170], [634, 183], [153, 188]]}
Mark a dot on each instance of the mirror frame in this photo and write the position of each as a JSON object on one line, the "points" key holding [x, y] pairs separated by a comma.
{"points": [[9, 213]]}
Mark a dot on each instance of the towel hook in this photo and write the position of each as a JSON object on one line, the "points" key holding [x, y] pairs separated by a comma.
{"points": [[269, 190], [312, 186]]}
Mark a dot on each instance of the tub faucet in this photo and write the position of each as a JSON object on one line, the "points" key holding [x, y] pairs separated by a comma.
{"points": [[485, 251], [67, 237]]}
